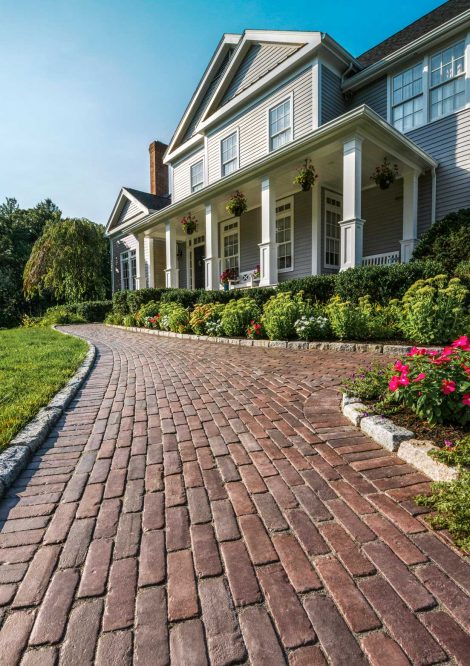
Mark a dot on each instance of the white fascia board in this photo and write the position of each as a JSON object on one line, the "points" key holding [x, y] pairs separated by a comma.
{"points": [[444, 31], [278, 72], [227, 40], [124, 194], [361, 120], [188, 148]]}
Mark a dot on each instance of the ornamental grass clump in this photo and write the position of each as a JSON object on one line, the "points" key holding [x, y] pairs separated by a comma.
{"points": [[280, 314], [435, 385], [237, 316], [434, 310]]}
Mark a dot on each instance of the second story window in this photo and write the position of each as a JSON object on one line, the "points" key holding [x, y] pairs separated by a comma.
{"points": [[408, 99], [229, 154], [280, 124], [447, 80], [197, 176]]}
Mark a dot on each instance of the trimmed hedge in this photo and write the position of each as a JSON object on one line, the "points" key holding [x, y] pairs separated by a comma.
{"points": [[381, 283], [448, 240], [91, 311]]}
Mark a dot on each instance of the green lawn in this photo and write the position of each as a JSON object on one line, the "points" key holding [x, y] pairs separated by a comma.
{"points": [[34, 364]]}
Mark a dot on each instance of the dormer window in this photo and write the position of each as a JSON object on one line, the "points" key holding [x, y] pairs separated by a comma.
{"points": [[408, 99], [280, 124], [447, 81], [197, 176], [229, 154]]}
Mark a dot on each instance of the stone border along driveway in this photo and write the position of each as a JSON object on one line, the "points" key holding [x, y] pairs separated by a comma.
{"points": [[205, 505], [16, 456]]}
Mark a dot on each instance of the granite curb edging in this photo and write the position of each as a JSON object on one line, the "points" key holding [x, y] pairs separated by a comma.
{"points": [[22, 447], [370, 348], [397, 439]]}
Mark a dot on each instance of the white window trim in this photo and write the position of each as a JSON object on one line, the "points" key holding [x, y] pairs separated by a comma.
{"points": [[426, 60], [464, 75], [203, 182], [226, 136], [128, 260], [225, 231], [280, 202], [424, 93], [289, 97], [335, 195]]}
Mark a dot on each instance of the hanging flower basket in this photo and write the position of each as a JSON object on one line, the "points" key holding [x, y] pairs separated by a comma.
{"points": [[385, 174], [189, 224], [306, 176], [236, 205]]}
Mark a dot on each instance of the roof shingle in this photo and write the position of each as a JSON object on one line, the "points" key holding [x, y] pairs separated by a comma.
{"points": [[150, 201]]}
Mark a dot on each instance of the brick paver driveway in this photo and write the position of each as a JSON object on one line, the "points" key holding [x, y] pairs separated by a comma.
{"points": [[201, 503]]}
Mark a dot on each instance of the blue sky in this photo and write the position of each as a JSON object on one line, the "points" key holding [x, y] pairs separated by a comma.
{"points": [[87, 84]]}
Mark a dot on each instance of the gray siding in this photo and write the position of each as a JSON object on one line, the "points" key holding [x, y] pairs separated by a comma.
{"points": [[302, 237], [253, 124], [250, 237], [259, 61], [448, 141], [130, 211], [182, 175], [332, 101], [382, 233], [424, 203], [374, 95]]}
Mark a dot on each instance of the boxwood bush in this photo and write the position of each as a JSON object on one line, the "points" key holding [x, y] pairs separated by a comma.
{"points": [[92, 311]]}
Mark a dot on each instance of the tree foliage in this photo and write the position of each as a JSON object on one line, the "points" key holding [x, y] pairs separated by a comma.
{"points": [[19, 229], [69, 262]]}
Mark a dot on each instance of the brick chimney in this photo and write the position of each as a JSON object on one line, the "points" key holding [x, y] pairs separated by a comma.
{"points": [[158, 170]]}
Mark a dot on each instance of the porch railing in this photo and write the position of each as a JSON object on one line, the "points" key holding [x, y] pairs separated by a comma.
{"points": [[383, 259]]}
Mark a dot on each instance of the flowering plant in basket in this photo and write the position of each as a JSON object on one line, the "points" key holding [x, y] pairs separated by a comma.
{"points": [[227, 275], [385, 174], [189, 224], [435, 385], [306, 176], [236, 205]]}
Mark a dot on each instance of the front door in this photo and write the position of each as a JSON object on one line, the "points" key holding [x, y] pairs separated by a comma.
{"points": [[199, 267]]}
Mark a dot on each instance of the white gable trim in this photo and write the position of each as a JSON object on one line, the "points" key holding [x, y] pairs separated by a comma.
{"points": [[226, 42], [123, 197]]}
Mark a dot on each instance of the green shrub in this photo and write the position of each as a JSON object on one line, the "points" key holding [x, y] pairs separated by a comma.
{"points": [[60, 314], [129, 320], [237, 315], [185, 297], [314, 287], [120, 305], [463, 273], [383, 322], [313, 325], [382, 283], [456, 454], [136, 299], [150, 309], [448, 241], [450, 503], [92, 311], [204, 314], [280, 314], [114, 318], [369, 383], [433, 310], [173, 317], [347, 320]]}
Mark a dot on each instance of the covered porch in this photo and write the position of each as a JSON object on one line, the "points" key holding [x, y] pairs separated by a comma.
{"points": [[343, 222]]}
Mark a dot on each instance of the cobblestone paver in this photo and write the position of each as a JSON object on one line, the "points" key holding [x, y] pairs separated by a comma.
{"points": [[201, 503]]}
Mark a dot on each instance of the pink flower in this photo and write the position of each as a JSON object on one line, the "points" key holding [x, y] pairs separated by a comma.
{"points": [[448, 386], [448, 444], [403, 381], [417, 351], [466, 399], [402, 368], [420, 377], [463, 341], [393, 383]]}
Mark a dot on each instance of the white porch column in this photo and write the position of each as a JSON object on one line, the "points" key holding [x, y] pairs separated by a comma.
{"points": [[171, 272], [140, 256], [267, 247], [316, 229], [352, 223], [212, 249], [150, 261], [410, 214]]}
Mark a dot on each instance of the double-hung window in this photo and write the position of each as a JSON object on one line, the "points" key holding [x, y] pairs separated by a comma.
{"points": [[129, 270], [284, 234], [229, 154], [280, 124], [333, 213], [408, 99], [197, 176], [447, 80], [231, 246]]}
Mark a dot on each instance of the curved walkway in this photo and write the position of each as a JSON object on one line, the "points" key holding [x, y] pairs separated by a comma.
{"points": [[199, 504]]}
